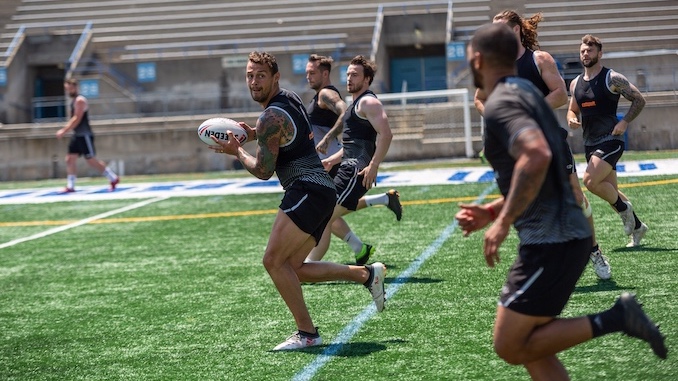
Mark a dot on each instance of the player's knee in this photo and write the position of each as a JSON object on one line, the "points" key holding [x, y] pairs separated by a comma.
{"points": [[270, 262], [507, 352], [589, 183]]}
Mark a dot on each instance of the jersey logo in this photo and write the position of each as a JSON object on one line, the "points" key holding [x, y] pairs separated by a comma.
{"points": [[589, 104]]}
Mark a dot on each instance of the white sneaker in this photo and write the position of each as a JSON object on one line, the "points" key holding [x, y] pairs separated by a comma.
{"points": [[627, 218], [297, 341], [600, 265], [637, 235], [377, 269]]}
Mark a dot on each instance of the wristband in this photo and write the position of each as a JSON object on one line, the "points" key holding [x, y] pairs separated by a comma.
{"points": [[493, 213]]}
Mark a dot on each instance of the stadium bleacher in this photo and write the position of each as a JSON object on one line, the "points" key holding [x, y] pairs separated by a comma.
{"points": [[199, 47]]}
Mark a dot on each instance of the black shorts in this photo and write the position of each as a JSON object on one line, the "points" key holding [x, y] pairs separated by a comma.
{"points": [[570, 167], [309, 206], [610, 151], [543, 277], [82, 146], [333, 171], [349, 186]]}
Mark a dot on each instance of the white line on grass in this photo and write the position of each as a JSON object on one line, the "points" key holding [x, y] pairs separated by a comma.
{"points": [[354, 326], [81, 222]]}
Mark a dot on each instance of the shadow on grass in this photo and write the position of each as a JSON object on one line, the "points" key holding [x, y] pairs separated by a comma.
{"points": [[602, 285], [414, 280], [357, 349], [645, 249]]}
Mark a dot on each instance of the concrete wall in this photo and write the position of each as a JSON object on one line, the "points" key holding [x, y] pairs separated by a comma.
{"points": [[170, 145]]}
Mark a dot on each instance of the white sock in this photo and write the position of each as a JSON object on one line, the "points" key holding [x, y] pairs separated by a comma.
{"points": [[70, 181], [379, 199], [354, 242], [110, 174]]}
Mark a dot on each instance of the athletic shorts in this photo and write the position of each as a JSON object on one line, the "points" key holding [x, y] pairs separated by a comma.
{"points": [[349, 186], [543, 277], [309, 206], [333, 171], [82, 146], [570, 167], [610, 151]]}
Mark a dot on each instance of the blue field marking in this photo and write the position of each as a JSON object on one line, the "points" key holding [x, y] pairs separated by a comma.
{"points": [[249, 185], [15, 194], [486, 177], [267, 183], [163, 187], [459, 176], [208, 186], [357, 323]]}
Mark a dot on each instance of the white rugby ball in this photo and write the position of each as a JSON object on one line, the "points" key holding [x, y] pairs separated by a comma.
{"points": [[218, 127]]}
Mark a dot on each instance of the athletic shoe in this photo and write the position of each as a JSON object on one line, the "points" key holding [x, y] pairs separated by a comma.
{"points": [[600, 265], [114, 183], [68, 190], [364, 255], [627, 218], [376, 286], [394, 203], [637, 235], [638, 324], [298, 340]]}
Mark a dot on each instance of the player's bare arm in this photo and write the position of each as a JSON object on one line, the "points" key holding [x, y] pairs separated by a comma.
{"points": [[619, 84], [79, 107], [573, 109], [557, 95], [332, 101], [273, 129], [372, 109], [533, 157]]}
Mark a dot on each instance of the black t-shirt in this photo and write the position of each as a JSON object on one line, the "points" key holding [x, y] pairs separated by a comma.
{"points": [[554, 216]]}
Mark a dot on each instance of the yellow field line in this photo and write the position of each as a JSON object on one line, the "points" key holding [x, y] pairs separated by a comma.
{"points": [[273, 211]]}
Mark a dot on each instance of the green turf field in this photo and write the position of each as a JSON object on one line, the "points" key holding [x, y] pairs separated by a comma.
{"points": [[175, 290]]}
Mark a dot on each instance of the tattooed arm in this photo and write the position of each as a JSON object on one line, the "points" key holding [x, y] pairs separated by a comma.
{"points": [[533, 157], [331, 100], [273, 129], [619, 84]]}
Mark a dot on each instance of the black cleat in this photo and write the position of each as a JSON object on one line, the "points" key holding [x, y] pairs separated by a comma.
{"points": [[639, 325], [394, 203]]}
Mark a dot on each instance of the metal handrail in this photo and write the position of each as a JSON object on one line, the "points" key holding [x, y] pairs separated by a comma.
{"points": [[14, 46], [79, 49]]}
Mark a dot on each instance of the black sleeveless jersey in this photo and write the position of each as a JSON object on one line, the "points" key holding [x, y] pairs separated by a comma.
{"points": [[598, 107], [321, 116], [83, 128], [298, 160], [322, 121], [527, 68], [359, 137]]}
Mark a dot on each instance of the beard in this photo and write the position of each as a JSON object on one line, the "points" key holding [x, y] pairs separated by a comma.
{"points": [[592, 61], [260, 96], [477, 78]]}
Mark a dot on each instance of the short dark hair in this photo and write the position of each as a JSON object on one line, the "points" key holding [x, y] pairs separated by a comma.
{"points": [[369, 67], [324, 62], [71, 81], [497, 43], [591, 40], [264, 58]]}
